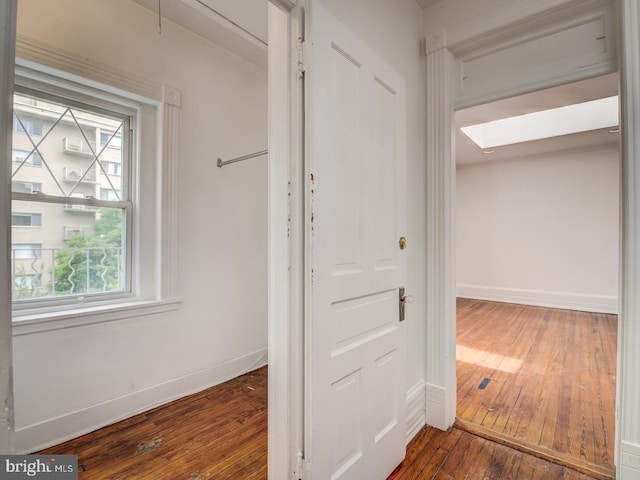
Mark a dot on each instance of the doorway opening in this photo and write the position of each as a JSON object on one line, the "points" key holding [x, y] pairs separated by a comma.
{"points": [[537, 272]]}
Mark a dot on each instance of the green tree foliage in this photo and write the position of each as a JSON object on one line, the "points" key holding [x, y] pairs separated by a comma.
{"points": [[91, 263]]}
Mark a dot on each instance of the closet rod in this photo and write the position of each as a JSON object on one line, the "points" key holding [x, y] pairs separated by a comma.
{"points": [[239, 159]]}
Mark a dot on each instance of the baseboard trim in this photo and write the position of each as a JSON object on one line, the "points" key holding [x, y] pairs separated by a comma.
{"points": [[435, 406], [630, 461], [541, 298], [35, 437], [415, 409], [592, 470]]}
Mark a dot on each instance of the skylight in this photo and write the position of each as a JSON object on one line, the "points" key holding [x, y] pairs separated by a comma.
{"points": [[580, 117]]}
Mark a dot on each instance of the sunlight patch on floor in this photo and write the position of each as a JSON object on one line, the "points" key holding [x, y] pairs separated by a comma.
{"points": [[488, 359]]}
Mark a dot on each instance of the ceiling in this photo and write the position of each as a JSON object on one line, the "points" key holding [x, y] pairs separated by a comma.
{"points": [[467, 152], [239, 26]]}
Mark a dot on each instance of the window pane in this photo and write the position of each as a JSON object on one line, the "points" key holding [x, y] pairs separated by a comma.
{"points": [[107, 194], [26, 250], [27, 157], [27, 125], [26, 219], [74, 254], [25, 187], [110, 139], [80, 149]]}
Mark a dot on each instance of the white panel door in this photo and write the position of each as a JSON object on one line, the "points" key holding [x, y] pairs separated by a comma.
{"points": [[356, 152]]}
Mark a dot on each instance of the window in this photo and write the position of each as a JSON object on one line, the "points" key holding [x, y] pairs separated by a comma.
{"points": [[107, 194], [554, 122], [26, 157], [30, 126], [26, 220], [89, 268], [25, 187], [111, 140], [111, 168], [26, 250], [62, 265]]}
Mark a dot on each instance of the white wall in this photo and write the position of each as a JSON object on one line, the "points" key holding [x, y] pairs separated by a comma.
{"points": [[394, 28], [73, 380], [541, 230]]}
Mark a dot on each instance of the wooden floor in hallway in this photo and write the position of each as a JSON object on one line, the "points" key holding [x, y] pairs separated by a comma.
{"points": [[220, 433], [540, 378], [459, 455]]}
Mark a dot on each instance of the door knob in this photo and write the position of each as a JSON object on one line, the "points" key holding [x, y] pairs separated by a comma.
{"points": [[407, 298]]}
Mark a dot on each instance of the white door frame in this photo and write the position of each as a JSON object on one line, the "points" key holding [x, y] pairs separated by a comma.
{"points": [[8, 9], [285, 242], [628, 377], [440, 340]]}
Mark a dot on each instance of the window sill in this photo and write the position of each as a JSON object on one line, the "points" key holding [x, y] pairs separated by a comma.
{"points": [[25, 323]]}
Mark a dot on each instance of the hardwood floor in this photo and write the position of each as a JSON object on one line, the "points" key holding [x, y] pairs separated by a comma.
{"points": [[551, 383], [543, 378], [456, 454], [220, 433]]}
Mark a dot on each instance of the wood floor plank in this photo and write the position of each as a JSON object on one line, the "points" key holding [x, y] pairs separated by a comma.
{"points": [[427, 449], [222, 429], [562, 395], [462, 455], [222, 432]]}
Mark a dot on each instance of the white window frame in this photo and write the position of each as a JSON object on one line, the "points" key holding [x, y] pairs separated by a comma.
{"points": [[154, 229], [50, 88]]}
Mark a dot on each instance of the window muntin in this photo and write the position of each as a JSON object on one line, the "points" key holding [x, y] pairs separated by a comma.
{"points": [[85, 249]]}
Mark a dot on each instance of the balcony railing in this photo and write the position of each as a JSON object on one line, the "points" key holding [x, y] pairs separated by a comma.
{"points": [[62, 272], [75, 174], [77, 146]]}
